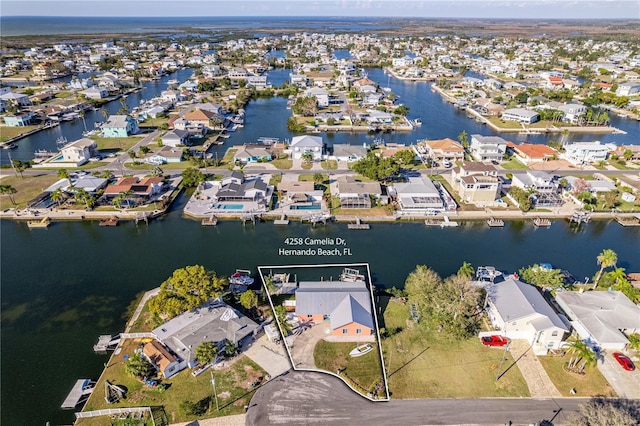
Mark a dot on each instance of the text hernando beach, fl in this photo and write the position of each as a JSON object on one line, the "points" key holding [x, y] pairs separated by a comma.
{"points": [[315, 247]]}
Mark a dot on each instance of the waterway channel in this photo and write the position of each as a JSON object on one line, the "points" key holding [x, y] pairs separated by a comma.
{"points": [[63, 286]]}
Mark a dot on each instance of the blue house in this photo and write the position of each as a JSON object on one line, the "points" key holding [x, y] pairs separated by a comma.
{"points": [[119, 126], [18, 119], [252, 154]]}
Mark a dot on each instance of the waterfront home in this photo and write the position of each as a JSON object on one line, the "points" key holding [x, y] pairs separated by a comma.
{"points": [[519, 311], [443, 149], [347, 305], [476, 183], [604, 318], [18, 119], [520, 115], [161, 359], [145, 187], [214, 322], [529, 153], [167, 154], [321, 95], [487, 148], [301, 145], [16, 99], [296, 193], [573, 112], [342, 152], [541, 185], [593, 185], [119, 126], [628, 89], [79, 151], [419, 194], [633, 149], [206, 118], [257, 81], [95, 93], [579, 153], [356, 195], [175, 137], [232, 176], [252, 154]]}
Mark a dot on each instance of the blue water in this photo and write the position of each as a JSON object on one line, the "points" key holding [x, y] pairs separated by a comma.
{"points": [[38, 25], [309, 207]]}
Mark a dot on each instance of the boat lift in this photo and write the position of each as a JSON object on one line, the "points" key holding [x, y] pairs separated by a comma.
{"points": [[106, 343]]}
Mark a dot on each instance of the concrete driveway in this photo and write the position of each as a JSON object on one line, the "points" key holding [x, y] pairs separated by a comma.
{"points": [[625, 383], [538, 381], [272, 357], [303, 345]]}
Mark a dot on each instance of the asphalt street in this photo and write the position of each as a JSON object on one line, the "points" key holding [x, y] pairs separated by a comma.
{"points": [[316, 398]]}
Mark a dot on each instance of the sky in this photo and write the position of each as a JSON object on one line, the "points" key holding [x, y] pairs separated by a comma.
{"points": [[526, 9]]}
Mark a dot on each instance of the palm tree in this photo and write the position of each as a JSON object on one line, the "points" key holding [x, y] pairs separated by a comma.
{"points": [[104, 113], [463, 138], [206, 352], [10, 191], [63, 174], [137, 366], [605, 259], [57, 195], [82, 114], [581, 356], [230, 348]]}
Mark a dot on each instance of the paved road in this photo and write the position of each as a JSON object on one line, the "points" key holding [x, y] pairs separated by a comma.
{"points": [[316, 398], [625, 383]]}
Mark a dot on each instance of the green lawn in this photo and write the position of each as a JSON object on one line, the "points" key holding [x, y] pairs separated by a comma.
{"points": [[154, 122], [228, 156], [283, 164], [363, 372], [592, 383], [115, 144], [172, 166], [422, 363], [8, 132], [505, 124], [513, 164], [233, 387], [329, 164], [28, 188]]}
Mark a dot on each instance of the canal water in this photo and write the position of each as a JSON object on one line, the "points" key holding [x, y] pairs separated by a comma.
{"points": [[64, 286], [268, 117]]}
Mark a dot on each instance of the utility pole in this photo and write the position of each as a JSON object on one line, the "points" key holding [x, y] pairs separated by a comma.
{"points": [[215, 392]]}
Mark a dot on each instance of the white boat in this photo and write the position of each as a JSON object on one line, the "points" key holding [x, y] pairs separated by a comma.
{"points": [[241, 277], [361, 350]]}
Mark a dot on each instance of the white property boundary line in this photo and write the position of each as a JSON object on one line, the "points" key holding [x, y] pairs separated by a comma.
{"points": [[375, 317]]}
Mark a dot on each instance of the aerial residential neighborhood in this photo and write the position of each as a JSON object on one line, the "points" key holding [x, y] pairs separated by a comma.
{"points": [[349, 220]]}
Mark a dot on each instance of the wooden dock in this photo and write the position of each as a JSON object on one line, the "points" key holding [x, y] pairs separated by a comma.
{"points": [[106, 342], [42, 223], [79, 393], [112, 221], [580, 216], [358, 225], [629, 221], [210, 221], [282, 221], [495, 223], [541, 222]]}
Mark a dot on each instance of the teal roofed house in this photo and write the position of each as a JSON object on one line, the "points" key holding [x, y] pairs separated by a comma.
{"points": [[119, 126], [18, 119]]}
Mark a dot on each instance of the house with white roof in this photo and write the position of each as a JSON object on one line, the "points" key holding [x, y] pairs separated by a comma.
{"points": [[175, 137], [487, 148], [521, 115], [604, 318], [354, 194], [321, 95], [519, 311], [628, 89], [585, 152], [79, 151], [301, 145], [573, 112], [419, 194], [94, 92]]}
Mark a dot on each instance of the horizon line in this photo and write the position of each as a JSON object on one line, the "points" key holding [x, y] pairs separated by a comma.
{"points": [[328, 17]]}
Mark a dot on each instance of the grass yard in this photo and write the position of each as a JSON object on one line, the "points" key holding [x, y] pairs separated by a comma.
{"points": [[172, 166], [504, 124], [146, 321], [28, 188], [282, 164], [364, 372], [115, 144], [374, 211], [329, 164], [233, 387], [154, 122], [8, 132], [423, 363], [513, 164], [228, 156], [592, 383]]}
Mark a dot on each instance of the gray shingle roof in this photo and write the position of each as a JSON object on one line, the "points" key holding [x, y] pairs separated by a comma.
{"points": [[349, 311], [322, 297]]}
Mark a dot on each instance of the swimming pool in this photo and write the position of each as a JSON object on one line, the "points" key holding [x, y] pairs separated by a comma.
{"points": [[231, 206], [307, 207]]}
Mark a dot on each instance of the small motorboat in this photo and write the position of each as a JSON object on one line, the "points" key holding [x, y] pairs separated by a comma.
{"points": [[241, 277], [361, 350]]}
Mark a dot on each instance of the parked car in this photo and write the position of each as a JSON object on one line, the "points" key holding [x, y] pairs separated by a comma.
{"points": [[494, 340], [624, 361]]}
